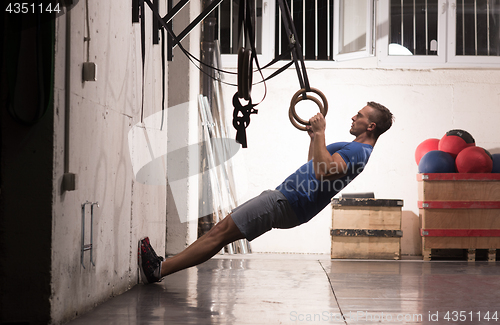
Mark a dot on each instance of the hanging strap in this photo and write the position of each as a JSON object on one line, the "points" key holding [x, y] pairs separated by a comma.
{"points": [[241, 114], [163, 43], [242, 28], [143, 52], [295, 45], [284, 56]]}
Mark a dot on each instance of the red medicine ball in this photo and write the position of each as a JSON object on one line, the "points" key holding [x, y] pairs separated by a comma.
{"points": [[474, 160], [425, 147], [455, 141]]}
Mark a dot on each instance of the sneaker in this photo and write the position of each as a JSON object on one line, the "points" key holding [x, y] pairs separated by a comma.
{"points": [[149, 262]]}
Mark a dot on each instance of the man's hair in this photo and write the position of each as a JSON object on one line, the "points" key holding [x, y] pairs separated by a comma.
{"points": [[382, 117]]}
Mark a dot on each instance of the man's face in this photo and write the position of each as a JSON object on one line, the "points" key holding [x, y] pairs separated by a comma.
{"points": [[360, 121]]}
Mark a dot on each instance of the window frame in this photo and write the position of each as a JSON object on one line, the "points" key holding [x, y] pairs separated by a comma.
{"points": [[468, 60], [379, 29], [338, 29], [446, 57], [268, 43], [268, 12], [383, 31]]}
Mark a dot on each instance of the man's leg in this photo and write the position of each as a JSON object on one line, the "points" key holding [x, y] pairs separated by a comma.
{"points": [[203, 248]]}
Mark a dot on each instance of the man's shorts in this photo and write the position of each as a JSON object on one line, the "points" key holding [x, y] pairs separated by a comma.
{"points": [[259, 215]]}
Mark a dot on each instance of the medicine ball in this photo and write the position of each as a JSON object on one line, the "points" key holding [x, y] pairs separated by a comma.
{"points": [[436, 161], [455, 141], [474, 160], [425, 147], [496, 163]]}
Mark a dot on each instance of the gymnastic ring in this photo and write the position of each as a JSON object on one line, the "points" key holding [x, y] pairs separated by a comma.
{"points": [[295, 100], [294, 120], [297, 97], [245, 73]]}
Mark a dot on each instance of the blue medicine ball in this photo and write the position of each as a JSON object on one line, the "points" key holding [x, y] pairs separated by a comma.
{"points": [[496, 163], [437, 161]]}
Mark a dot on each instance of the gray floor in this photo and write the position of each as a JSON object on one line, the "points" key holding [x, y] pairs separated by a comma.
{"points": [[307, 289]]}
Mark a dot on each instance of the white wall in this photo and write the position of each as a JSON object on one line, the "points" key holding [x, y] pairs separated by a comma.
{"points": [[109, 144], [183, 137], [426, 104]]}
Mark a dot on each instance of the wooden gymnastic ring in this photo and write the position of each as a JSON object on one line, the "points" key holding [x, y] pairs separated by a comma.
{"points": [[297, 97], [295, 100], [245, 73], [292, 109]]}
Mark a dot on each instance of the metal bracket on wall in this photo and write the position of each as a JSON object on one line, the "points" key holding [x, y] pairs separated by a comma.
{"points": [[165, 22], [88, 247]]}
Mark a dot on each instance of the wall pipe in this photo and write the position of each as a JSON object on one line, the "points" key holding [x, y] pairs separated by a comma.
{"points": [[69, 179]]}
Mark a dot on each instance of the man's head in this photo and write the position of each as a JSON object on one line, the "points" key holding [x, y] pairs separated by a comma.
{"points": [[373, 118], [381, 116]]}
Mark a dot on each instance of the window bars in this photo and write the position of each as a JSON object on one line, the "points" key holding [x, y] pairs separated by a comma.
{"points": [[478, 26], [414, 25]]}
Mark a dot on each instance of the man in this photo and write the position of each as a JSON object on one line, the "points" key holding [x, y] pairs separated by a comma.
{"points": [[299, 198]]}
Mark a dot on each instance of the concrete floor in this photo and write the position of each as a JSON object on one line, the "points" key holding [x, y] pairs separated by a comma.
{"points": [[311, 289]]}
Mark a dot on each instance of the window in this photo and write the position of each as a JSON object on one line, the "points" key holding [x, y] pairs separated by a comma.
{"points": [[477, 26], [409, 32], [227, 30], [354, 23], [228, 14], [315, 22], [439, 32], [476, 31], [414, 26]]}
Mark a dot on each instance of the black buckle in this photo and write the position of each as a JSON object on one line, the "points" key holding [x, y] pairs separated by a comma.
{"points": [[241, 119]]}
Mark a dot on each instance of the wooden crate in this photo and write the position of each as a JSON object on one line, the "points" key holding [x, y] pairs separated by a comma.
{"points": [[459, 211], [366, 228]]}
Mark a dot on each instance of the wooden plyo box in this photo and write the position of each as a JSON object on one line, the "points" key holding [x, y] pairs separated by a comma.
{"points": [[459, 211], [366, 228]]}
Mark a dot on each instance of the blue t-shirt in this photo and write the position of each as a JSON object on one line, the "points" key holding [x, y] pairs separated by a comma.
{"points": [[307, 195]]}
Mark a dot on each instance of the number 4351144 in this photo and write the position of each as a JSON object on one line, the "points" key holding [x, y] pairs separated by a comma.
{"points": [[463, 316], [31, 8]]}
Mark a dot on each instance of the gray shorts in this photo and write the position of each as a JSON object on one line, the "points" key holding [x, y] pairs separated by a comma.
{"points": [[259, 215]]}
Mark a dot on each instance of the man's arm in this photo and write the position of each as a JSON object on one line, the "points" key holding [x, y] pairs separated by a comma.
{"points": [[311, 144], [325, 165]]}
